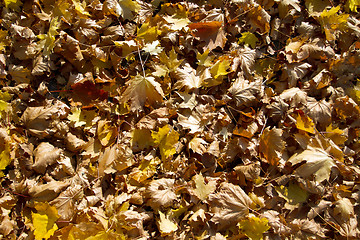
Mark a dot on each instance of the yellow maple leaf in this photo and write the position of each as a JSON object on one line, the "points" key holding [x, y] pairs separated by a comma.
{"points": [[331, 21], [80, 7], [47, 41], [335, 134], [81, 117], [254, 227], [218, 71], [44, 220], [170, 60], [293, 194], [4, 41], [204, 59], [13, 4], [352, 5], [107, 132], [165, 139], [4, 105], [148, 33], [141, 139], [305, 123], [4, 159], [202, 190], [146, 169]]}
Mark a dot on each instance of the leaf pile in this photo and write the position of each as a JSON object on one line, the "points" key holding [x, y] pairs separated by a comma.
{"points": [[130, 119]]}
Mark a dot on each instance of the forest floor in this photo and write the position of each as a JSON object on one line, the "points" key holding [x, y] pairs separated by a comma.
{"points": [[130, 119]]}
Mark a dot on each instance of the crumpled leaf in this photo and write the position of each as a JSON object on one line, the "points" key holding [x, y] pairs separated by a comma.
{"points": [[44, 220], [37, 119], [229, 205], [245, 92], [45, 155]]}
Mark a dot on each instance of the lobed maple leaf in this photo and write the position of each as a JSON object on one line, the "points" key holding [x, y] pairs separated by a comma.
{"points": [[141, 90], [165, 139]]}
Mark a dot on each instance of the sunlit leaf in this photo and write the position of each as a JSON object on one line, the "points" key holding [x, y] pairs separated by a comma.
{"points": [[166, 139], [254, 227], [44, 220]]}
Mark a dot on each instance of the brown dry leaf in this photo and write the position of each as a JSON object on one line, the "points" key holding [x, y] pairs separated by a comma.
{"points": [[229, 205], [212, 33], [317, 164], [245, 92], [45, 155], [295, 72], [187, 78], [37, 119], [162, 193], [245, 58], [271, 145], [306, 229], [319, 111], [259, 19], [141, 90], [48, 191]]}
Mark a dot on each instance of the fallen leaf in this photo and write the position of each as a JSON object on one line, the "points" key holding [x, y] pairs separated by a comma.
{"points": [[229, 205], [166, 225], [271, 145], [254, 227], [44, 220], [141, 90], [317, 164]]}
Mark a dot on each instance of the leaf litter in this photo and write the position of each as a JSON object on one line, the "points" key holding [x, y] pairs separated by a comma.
{"points": [[137, 119]]}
